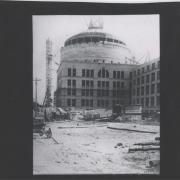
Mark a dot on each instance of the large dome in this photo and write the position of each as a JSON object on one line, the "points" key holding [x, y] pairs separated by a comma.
{"points": [[93, 36], [95, 45]]}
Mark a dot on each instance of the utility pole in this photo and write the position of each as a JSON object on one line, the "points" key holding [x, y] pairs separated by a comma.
{"points": [[36, 83]]}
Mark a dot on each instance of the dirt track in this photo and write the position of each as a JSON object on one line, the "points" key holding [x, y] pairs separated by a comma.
{"points": [[90, 150]]}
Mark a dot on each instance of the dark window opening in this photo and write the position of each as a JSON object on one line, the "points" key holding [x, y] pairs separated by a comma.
{"points": [[74, 83], [69, 71], [118, 74], [69, 102], [83, 72], [83, 83], [69, 82], [74, 72], [114, 74], [122, 74]]}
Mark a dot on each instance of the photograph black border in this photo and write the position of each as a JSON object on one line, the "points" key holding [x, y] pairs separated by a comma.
{"points": [[16, 149]]}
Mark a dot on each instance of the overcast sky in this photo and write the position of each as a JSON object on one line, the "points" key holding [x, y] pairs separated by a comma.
{"points": [[139, 32]]}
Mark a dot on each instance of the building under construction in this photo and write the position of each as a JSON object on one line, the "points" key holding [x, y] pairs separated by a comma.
{"points": [[97, 70]]}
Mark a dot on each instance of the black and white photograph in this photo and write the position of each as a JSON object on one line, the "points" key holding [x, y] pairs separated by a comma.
{"points": [[96, 94]]}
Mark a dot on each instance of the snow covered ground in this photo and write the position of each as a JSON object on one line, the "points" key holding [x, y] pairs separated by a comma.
{"points": [[90, 148]]}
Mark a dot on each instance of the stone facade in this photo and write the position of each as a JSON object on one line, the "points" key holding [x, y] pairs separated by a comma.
{"points": [[93, 85], [146, 86], [99, 71]]}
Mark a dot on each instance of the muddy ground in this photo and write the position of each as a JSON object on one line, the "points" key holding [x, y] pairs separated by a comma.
{"points": [[91, 148]]}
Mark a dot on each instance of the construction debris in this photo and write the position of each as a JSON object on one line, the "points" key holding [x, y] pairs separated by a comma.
{"points": [[154, 162], [148, 143], [151, 148], [134, 127]]}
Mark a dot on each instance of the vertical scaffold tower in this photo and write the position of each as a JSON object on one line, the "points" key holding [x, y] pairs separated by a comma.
{"points": [[48, 95]]}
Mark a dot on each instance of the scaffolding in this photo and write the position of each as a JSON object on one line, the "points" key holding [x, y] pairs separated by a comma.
{"points": [[48, 96]]}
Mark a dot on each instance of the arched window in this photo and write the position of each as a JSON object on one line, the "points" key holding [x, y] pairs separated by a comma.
{"points": [[103, 72]]}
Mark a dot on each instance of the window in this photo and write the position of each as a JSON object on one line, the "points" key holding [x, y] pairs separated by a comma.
{"points": [[142, 70], [134, 73], [102, 92], [147, 89], [99, 73], [87, 73], [103, 84], [91, 103], [118, 84], [74, 92], [74, 83], [68, 102], [114, 93], [91, 92], [114, 84], [147, 102], [138, 81], [142, 90], [148, 68], [142, 101], [69, 92], [152, 76], [142, 80], [83, 83], [92, 73], [74, 72], [114, 74], [138, 91], [92, 83], [134, 92], [152, 101], [158, 75], [118, 74], [83, 72], [107, 103], [87, 92], [158, 87], [147, 78], [122, 74], [130, 75], [74, 102], [158, 100], [82, 102], [102, 103], [107, 84], [83, 92], [158, 64], [87, 102], [117, 93], [153, 66], [69, 82], [107, 92], [137, 100], [138, 72], [107, 74], [87, 83], [134, 81], [69, 71], [99, 84], [122, 85], [152, 88], [103, 72], [98, 103], [98, 92]]}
